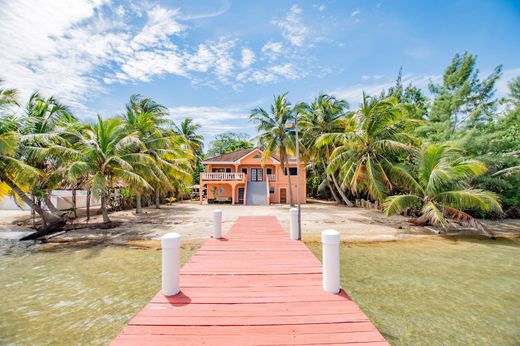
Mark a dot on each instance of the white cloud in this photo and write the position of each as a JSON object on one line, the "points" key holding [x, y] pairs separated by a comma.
{"points": [[160, 25], [248, 58], [42, 57], [292, 26], [214, 120], [355, 13], [75, 49], [271, 74], [272, 50], [354, 93]]}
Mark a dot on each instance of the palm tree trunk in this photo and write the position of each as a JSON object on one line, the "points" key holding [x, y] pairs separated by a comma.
{"points": [[336, 198], [345, 199], [138, 207], [104, 211], [157, 199], [289, 179], [74, 206], [88, 205], [49, 204], [47, 218]]}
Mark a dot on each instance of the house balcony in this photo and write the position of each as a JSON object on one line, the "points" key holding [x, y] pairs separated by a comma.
{"points": [[223, 176], [271, 177]]}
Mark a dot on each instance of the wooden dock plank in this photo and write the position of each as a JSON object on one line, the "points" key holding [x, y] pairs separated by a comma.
{"points": [[253, 287]]}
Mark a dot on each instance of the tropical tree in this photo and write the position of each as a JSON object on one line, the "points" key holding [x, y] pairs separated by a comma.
{"points": [[193, 140], [42, 146], [228, 142], [275, 135], [106, 153], [144, 118], [16, 177], [374, 137], [440, 189], [325, 115]]}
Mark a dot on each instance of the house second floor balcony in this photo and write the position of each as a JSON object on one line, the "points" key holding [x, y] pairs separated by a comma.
{"points": [[223, 176]]}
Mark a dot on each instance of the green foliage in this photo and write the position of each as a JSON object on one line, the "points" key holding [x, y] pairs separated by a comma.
{"points": [[228, 142]]}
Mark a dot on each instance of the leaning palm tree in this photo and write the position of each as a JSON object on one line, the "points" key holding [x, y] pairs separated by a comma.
{"points": [[323, 116], [366, 151], [16, 176], [440, 189], [106, 152], [275, 135]]}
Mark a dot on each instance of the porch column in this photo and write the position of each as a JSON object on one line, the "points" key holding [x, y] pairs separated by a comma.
{"points": [[233, 194], [201, 188]]}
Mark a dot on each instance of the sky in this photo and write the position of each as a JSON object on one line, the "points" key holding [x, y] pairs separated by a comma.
{"points": [[216, 60]]}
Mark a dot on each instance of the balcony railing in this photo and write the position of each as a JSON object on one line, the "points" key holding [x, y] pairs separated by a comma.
{"points": [[271, 177], [222, 176]]}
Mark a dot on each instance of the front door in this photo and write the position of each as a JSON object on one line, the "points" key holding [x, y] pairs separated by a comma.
{"points": [[283, 196], [240, 195], [257, 174]]}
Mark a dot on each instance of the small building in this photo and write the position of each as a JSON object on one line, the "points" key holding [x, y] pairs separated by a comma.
{"points": [[242, 177]]}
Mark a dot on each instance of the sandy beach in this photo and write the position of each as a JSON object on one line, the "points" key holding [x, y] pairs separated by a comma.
{"points": [[194, 222]]}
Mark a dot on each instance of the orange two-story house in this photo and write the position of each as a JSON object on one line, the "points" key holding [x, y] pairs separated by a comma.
{"points": [[241, 177]]}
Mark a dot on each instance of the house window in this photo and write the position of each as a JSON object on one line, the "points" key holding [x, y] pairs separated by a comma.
{"points": [[221, 190], [271, 190], [292, 170], [228, 170], [257, 157], [218, 170], [269, 171], [244, 170]]}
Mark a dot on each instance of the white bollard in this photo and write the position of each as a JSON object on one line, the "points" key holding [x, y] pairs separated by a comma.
{"points": [[171, 263], [331, 274], [217, 224], [293, 223]]}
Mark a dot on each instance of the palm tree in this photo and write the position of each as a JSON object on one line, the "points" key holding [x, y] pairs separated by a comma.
{"points": [[440, 189], [323, 116], [365, 152], [16, 177], [144, 117], [194, 141], [42, 146], [275, 135], [106, 152]]}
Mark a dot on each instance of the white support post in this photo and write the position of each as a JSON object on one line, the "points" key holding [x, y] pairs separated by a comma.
{"points": [[171, 263], [293, 214], [331, 268], [217, 224]]}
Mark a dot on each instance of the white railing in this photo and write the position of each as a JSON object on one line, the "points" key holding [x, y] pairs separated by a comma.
{"points": [[271, 177], [222, 176]]}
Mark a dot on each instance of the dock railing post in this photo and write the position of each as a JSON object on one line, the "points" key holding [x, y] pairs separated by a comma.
{"points": [[293, 223], [331, 265], [217, 224], [171, 266]]}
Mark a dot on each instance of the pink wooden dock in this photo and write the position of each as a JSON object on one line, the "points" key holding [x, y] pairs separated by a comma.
{"points": [[253, 287]]}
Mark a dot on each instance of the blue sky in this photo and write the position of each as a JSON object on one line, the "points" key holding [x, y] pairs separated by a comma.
{"points": [[215, 60]]}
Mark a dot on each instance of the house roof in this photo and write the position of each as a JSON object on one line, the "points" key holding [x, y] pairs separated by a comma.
{"points": [[236, 156]]}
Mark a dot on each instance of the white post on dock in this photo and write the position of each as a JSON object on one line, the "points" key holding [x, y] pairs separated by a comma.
{"points": [[171, 263], [293, 215], [331, 274], [217, 224]]}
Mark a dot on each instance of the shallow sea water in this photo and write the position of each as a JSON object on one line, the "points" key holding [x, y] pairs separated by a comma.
{"points": [[459, 291]]}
